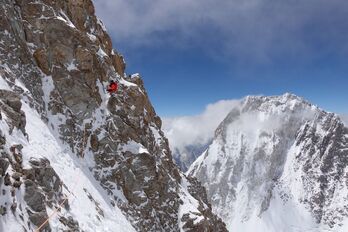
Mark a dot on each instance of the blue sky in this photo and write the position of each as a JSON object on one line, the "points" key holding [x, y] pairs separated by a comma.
{"points": [[192, 53]]}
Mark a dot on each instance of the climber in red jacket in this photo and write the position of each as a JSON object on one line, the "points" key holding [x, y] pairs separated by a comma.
{"points": [[112, 87]]}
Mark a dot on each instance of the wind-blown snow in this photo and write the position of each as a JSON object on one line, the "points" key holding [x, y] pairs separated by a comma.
{"points": [[188, 130], [344, 117], [189, 135], [249, 168]]}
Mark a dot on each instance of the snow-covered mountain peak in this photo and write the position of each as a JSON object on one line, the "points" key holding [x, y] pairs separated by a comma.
{"points": [[257, 114], [273, 104], [262, 143]]}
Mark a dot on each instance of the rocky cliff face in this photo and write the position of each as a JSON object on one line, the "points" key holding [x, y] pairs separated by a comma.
{"points": [[277, 164], [70, 151], [322, 162]]}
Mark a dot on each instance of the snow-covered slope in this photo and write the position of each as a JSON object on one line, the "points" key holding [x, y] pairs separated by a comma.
{"points": [[71, 155], [79, 184], [277, 164]]}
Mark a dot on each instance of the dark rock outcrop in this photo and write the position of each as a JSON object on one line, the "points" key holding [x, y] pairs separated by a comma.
{"points": [[11, 105], [42, 187], [323, 162], [58, 59]]}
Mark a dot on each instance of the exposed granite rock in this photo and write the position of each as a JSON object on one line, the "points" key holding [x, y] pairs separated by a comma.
{"points": [[63, 56], [70, 223], [43, 187], [119, 63], [323, 162], [34, 198], [38, 218], [40, 55], [4, 163], [199, 192], [7, 179], [11, 105]]}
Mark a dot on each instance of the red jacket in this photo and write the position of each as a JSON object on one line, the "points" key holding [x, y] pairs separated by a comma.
{"points": [[112, 88]]}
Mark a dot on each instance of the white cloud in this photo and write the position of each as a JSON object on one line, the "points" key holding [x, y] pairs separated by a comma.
{"points": [[344, 117], [198, 129], [249, 29]]}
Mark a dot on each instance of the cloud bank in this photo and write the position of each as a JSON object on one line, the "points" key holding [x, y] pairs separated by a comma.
{"points": [[344, 117], [198, 129], [260, 30]]}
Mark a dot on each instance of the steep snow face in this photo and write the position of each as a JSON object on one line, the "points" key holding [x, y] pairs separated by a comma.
{"points": [[320, 163], [258, 172]]}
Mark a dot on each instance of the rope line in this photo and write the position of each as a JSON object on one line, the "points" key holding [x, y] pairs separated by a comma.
{"points": [[59, 206]]}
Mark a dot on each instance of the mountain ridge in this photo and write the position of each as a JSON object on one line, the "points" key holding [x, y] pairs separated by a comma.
{"points": [[258, 147], [71, 153]]}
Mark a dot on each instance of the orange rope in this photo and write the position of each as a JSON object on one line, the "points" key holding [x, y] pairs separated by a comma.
{"points": [[84, 143], [59, 207]]}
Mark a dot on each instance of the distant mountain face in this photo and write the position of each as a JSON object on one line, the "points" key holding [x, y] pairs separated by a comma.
{"points": [[185, 156], [69, 152], [277, 164], [189, 136]]}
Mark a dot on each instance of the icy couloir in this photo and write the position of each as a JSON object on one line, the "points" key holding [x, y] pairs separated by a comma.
{"points": [[277, 164]]}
